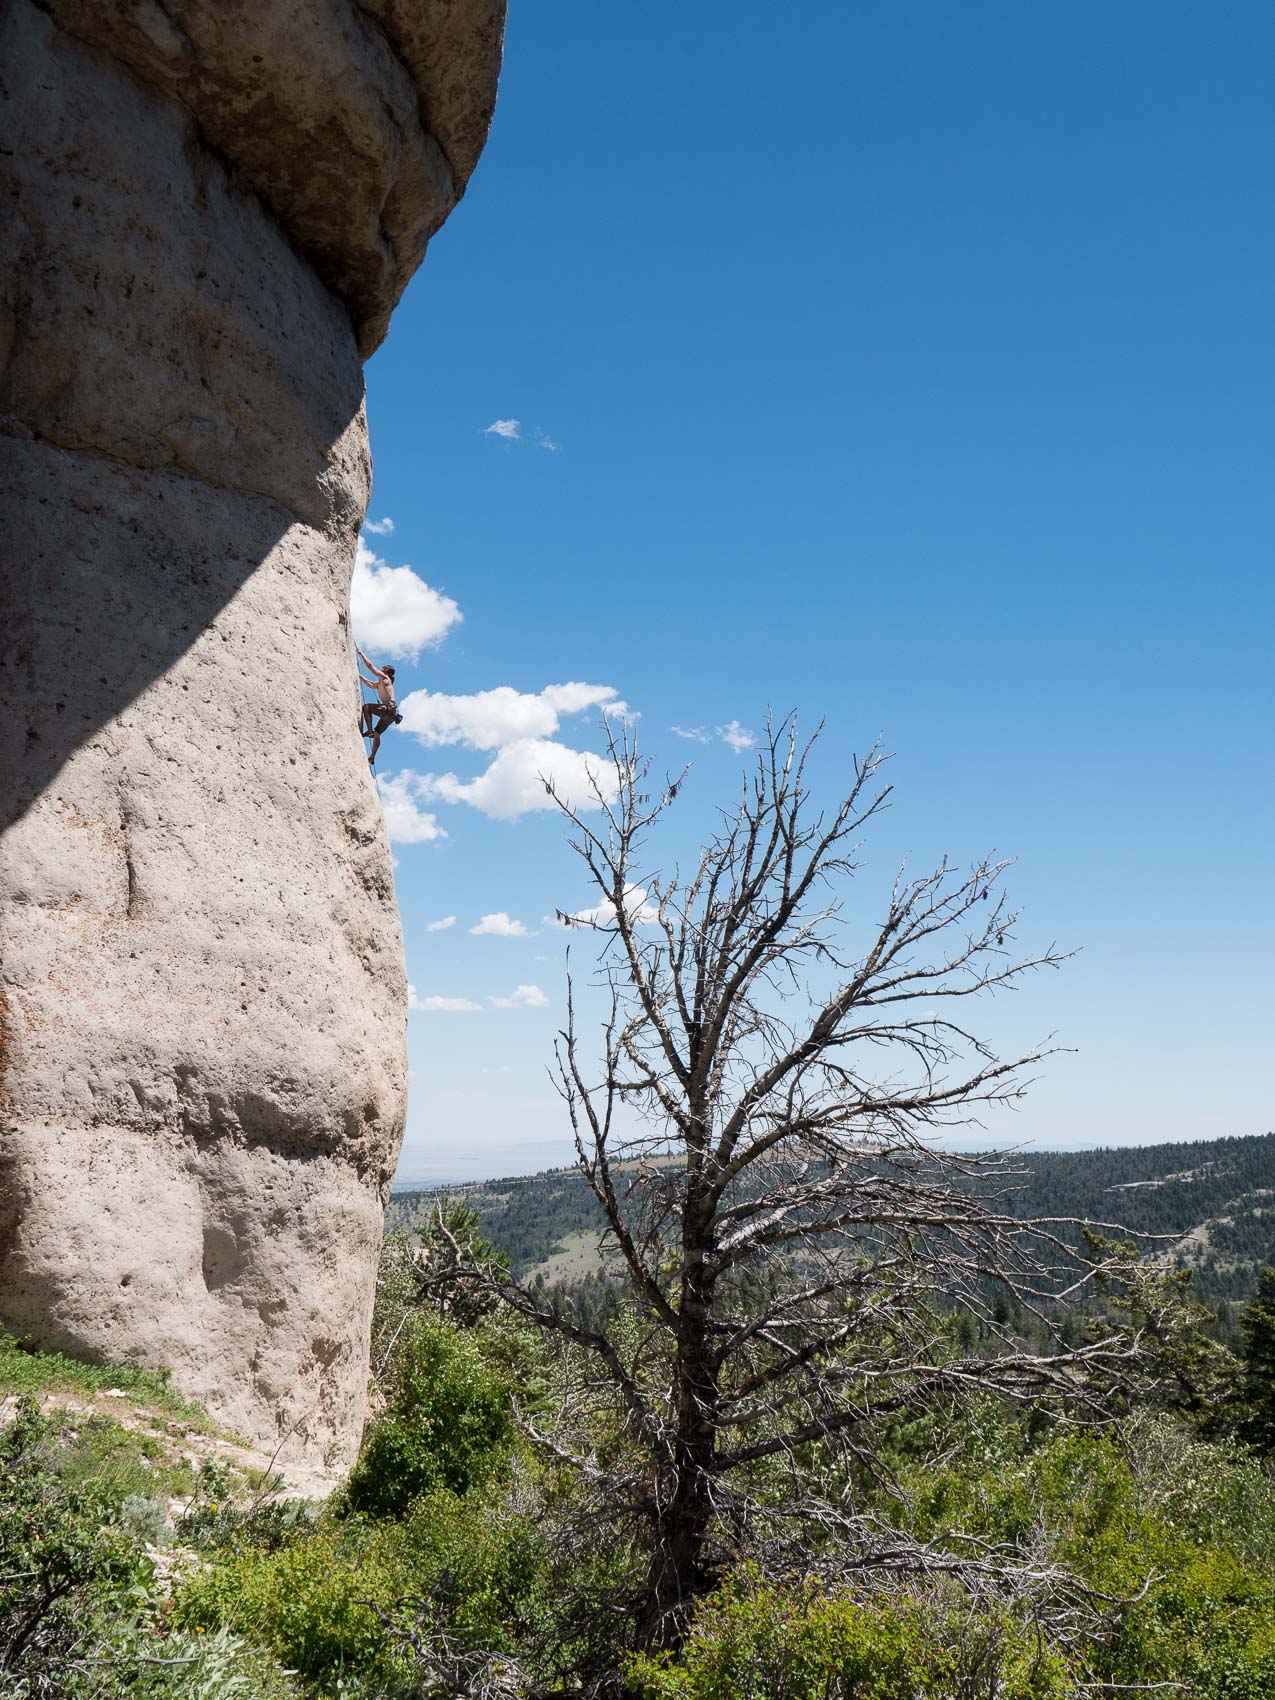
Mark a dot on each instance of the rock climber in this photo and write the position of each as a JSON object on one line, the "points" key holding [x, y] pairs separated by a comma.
{"points": [[377, 717]]}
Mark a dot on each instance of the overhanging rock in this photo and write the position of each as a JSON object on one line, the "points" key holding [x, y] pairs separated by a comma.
{"points": [[209, 213]]}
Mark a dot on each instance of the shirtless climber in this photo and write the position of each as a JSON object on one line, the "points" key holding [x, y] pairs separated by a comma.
{"points": [[377, 717]]}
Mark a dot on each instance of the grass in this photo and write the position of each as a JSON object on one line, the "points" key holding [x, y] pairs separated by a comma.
{"points": [[23, 1369], [122, 1461], [141, 1449], [576, 1255]]}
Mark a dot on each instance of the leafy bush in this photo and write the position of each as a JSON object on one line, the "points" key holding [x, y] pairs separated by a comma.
{"points": [[266, 1526], [307, 1602], [81, 1614], [1180, 1529], [750, 1641], [322, 1600], [62, 1559], [446, 1422], [181, 1666], [145, 1516]]}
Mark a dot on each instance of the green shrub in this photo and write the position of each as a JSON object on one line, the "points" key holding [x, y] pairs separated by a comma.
{"points": [[145, 1516], [267, 1526], [1180, 1528], [220, 1666], [307, 1602], [446, 1422], [81, 1614], [314, 1601], [62, 1560], [750, 1641]]}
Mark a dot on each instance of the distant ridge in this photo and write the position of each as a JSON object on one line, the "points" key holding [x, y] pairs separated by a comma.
{"points": [[1215, 1198]]}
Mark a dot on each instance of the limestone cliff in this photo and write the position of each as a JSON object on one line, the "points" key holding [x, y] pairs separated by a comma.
{"points": [[210, 208]]}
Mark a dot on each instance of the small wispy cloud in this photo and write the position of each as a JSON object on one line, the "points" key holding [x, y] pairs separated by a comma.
{"points": [[638, 907], [501, 926], [696, 734], [382, 527], [512, 432], [440, 926], [522, 997], [433, 1005], [738, 737]]}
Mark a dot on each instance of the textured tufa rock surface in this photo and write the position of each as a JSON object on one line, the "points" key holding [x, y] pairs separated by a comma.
{"points": [[210, 209]]}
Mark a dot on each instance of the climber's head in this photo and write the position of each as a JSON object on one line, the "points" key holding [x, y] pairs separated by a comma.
{"points": [[388, 671]]}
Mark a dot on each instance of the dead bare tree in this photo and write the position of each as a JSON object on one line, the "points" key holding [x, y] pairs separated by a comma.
{"points": [[760, 1133]]}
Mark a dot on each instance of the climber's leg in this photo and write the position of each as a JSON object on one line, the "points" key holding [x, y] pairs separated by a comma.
{"points": [[380, 717]]}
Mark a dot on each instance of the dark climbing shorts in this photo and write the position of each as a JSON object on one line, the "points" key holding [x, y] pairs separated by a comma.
{"points": [[386, 714]]}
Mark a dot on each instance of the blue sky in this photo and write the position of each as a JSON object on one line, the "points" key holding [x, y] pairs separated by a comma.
{"points": [[909, 367]]}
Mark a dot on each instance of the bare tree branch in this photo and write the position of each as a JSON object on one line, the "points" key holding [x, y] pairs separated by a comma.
{"points": [[759, 1132]]}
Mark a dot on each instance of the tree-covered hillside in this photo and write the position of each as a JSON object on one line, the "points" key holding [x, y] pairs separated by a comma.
{"points": [[1214, 1200], [528, 1217]]}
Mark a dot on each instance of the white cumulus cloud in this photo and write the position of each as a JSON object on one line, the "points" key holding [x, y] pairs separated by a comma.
{"points": [[381, 527], [507, 428], [501, 926], [393, 611], [522, 997], [405, 821], [737, 736], [440, 926], [485, 720], [440, 1006], [514, 783], [697, 734]]}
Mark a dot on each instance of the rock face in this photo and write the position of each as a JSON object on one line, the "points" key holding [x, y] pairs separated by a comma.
{"points": [[210, 209]]}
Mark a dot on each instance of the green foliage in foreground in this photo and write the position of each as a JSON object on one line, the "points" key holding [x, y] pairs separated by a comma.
{"points": [[1195, 1516], [82, 1616], [1165, 1538], [315, 1602], [752, 1641], [1176, 1532], [1161, 1528]]}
